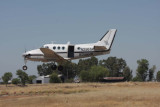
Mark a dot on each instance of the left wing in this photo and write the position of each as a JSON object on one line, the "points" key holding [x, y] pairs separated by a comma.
{"points": [[49, 54]]}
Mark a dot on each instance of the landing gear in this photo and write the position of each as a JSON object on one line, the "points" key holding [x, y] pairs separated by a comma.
{"points": [[54, 67], [60, 67], [25, 61]]}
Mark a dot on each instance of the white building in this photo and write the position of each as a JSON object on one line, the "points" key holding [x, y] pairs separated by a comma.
{"points": [[41, 80]]}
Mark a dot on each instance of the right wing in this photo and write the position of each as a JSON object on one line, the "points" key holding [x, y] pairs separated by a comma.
{"points": [[49, 54]]}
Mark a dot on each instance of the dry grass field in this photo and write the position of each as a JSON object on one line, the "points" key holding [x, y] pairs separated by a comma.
{"points": [[124, 94]]}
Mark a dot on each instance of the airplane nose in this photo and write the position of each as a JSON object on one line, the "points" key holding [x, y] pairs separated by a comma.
{"points": [[31, 53], [26, 54]]}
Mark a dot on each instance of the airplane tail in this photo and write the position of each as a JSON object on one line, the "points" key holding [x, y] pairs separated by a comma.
{"points": [[107, 39]]}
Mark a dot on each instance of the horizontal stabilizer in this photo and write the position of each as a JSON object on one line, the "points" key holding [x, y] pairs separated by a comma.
{"points": [[99, 48]]}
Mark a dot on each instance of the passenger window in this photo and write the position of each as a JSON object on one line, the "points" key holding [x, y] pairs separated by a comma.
{"points": [[63, 47], [78, 48], [54, 47], [58, 48]]}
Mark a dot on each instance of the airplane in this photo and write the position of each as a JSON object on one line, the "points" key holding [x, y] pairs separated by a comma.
{"points": [[61, 53]]}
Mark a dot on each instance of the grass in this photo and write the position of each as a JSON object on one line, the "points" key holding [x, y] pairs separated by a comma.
{"points": [[139, 94]]}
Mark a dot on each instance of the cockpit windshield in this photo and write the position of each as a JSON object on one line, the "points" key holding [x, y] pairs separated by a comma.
{"points": [[44, 46]]}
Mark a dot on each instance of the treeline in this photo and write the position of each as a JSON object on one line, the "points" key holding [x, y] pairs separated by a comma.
{"points": [[89, 70], [92, 70], [22, 79]]}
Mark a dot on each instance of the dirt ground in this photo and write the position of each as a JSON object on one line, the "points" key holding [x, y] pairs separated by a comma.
{"points": [[124, 94]]}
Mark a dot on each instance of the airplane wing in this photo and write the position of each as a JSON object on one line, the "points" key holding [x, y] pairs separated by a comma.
{"points": [[49, 54], [99, 48]]}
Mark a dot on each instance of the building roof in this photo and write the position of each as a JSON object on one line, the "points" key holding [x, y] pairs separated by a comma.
{"points": [[113, 78]]}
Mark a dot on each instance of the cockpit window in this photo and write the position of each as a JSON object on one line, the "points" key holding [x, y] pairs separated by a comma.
{"points": [[54, 47], [46, 47]]}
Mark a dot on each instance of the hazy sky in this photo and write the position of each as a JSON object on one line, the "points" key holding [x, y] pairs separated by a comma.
{"points": [[32, 23]]}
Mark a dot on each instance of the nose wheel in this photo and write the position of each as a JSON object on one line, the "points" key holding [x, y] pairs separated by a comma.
{"points": [[25, 67]]}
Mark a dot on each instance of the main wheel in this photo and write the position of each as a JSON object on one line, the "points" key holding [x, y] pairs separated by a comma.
{"points": [[60, 67], [54, 67], [24, 67]]}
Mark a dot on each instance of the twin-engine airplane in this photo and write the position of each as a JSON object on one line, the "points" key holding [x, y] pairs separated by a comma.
{"points": [[66, 52]]}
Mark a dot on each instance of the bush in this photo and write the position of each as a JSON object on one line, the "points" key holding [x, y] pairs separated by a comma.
{"points": [[95, 74], [23, 76], [127, 73], [69, 80], [15, 81], [84, 75], [137, 79], [54, 78], [158, 76], [6, 77], [30, 79]]}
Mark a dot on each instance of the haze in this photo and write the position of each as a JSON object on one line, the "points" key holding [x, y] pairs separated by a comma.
{"points": [[33, 23]]}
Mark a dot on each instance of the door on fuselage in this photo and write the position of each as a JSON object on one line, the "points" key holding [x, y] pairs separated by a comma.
{"points": [[70, 51]]}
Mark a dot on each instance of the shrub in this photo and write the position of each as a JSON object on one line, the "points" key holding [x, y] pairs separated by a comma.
{"points": [[23, 76], [6, 77], [30, 79], [69, 80], [138, 79], [84, 75], [158, 76], [15, 81], [54, 78], [95, 74]]}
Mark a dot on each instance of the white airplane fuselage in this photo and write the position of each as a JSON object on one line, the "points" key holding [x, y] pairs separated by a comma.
{"points": [[67, 51]]}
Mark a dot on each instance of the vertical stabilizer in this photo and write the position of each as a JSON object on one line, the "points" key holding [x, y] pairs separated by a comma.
{"points": [[107, 39]]}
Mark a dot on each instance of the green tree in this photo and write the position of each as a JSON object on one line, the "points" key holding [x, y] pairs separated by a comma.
{"points": [[45, 69], [114, 65], [54, 78], [69, 69], [30, 78], [158, 76], [23, 76], [94, 74], [93, 61], [151, 73], [15, 81], [127, 73], [86, 64], [136, 78], [84, 75], [142, 69], [97, 73], [6, 77]]}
